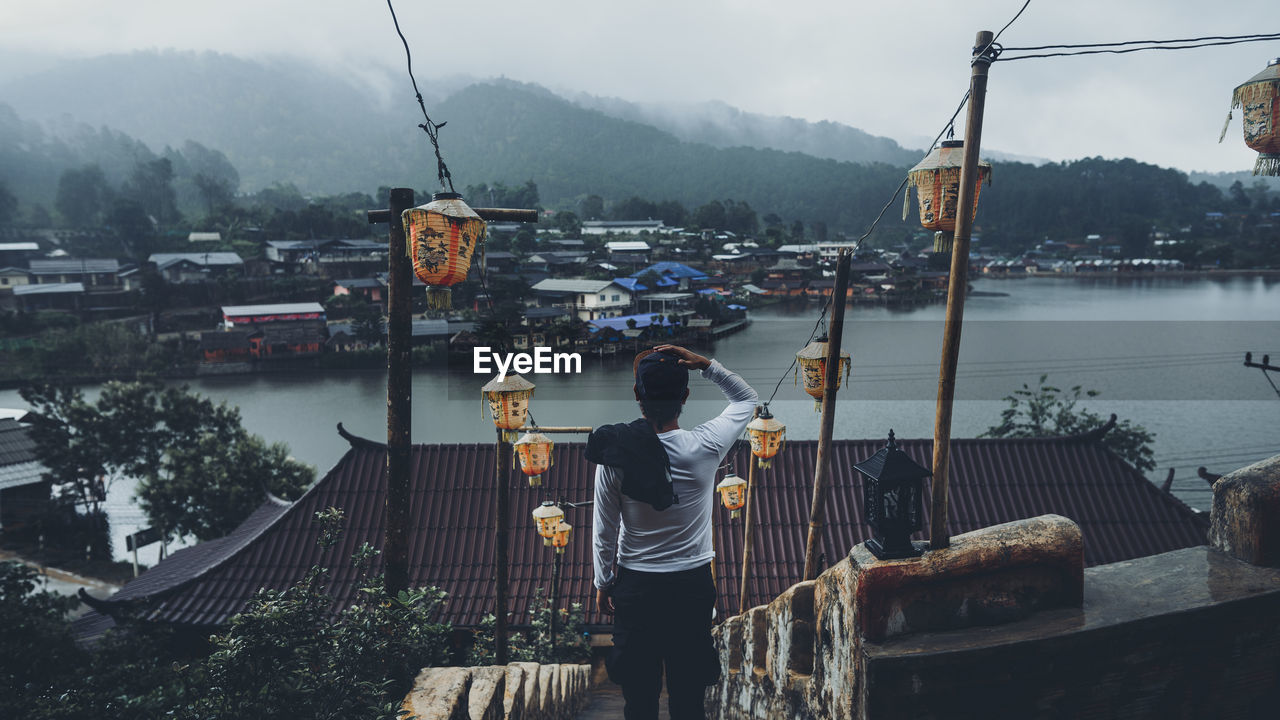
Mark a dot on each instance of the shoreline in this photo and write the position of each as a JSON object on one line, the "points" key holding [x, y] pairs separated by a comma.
{"points": [[1107, 274]]}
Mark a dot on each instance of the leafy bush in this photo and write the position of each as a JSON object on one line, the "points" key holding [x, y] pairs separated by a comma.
{"points": [[534, 644]]}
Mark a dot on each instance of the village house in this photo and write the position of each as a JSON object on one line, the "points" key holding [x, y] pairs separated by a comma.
{"points": [[91, 273], [183, 268], [628, 252], [67, 297], [586, 299], [622, 227], [325, 256], [372, 289], [223, 346], [198, 589], [23, 490]]}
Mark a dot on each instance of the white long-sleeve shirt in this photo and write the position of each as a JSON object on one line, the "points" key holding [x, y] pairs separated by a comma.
{"points": [[633, 534]]}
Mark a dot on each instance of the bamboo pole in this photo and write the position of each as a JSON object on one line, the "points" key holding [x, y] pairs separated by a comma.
{"points": [[395, 545], [940, 536], [822, 471], [502, 532], [748, 526]]}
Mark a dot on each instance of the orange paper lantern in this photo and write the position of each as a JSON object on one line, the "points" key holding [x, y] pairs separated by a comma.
{"points": [[813, 368], [534, 451], [561, 536], [508, 399], [441, 237], [937, 183], [547, 516], [733, 494], [1260, 100], [767, 436]]}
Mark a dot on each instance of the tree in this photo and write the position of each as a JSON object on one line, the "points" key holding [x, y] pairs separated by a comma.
{"points": [[591, 207], [568, 224], [207, 488], [217, 193], [172, 440], [8, 205], [37, 641], [1049, 411], [84, 196], [151, 186], [367, 324]]}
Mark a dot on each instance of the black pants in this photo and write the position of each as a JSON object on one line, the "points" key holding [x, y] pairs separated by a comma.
{"points": [[663, 619]]}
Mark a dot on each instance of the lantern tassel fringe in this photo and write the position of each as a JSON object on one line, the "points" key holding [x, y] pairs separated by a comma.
{"points": [[764, 464], [535, 481], [439, 298], [1268, 164], [906, 203], [1225, 124]]}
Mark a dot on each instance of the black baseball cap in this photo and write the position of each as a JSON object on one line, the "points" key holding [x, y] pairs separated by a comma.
{"points": [[660, 376]]}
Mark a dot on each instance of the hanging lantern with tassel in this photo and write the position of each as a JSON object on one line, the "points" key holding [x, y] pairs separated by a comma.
{"points": [[547, 516], [937, 183], [509, 399], [534, 451], [813, 368], [733, 493], [767, 436], [1260, 100], [441, 237], [560, 538]]}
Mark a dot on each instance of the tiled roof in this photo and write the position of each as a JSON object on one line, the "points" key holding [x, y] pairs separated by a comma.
{"points": [[1121, 514], [18, 464]]}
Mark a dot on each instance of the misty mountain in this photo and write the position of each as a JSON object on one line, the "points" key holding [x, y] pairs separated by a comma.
{"points": [[721, 125], [1225, 180]]}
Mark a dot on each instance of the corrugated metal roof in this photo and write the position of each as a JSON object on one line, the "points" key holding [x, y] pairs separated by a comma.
{"points": [[164, 260], [1122, 516], [71, 266], [272, 309], [49, 289]]}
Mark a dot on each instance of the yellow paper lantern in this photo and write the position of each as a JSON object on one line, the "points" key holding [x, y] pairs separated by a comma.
{"points": [[534, 451], [813, 368], [767, 436], [1260, 100], [441, 237], [547, 517], [937, 183], [560, 538], [508, 399], [733, 493]]}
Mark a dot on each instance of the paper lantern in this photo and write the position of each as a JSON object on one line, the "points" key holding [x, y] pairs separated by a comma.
{"points": [[1259, 99], [441, 237], [733, 493], [534, 451], [547, 518], [767, 436], [813, 368], [937, 183], [508, 399], [560, 538]]}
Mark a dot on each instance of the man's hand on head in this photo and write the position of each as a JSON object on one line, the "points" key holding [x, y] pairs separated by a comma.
{"points": [[688, 358]]}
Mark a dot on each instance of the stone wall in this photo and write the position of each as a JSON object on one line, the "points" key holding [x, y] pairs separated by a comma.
{"points": [[519, 691], [1007, 623]]}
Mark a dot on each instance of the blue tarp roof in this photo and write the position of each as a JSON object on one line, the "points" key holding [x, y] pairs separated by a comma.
{"points": [[674, 269], [643, 320], [630, 283]]}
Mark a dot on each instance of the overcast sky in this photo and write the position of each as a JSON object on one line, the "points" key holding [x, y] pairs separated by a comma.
{"points": [[896, 68]]}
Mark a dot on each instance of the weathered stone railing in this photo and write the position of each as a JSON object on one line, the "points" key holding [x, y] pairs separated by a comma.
{"points": [[1007, 623], [519, 691]]}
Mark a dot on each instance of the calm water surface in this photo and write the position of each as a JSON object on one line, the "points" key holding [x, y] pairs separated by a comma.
{"points": [[1165, 353]]}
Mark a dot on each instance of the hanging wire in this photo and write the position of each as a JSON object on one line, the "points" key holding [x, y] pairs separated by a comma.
{"points": [[1118, 49], [430, 127], [949, 130]]}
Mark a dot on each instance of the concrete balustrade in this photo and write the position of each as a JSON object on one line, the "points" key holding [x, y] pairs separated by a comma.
{"points": [[1007, 622], [519, 691]]}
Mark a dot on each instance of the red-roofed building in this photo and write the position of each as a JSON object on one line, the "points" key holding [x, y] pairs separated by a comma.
{"points": [[1121, 514]]}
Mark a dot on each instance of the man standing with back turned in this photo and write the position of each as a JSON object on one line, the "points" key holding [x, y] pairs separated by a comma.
{"points": [[655, 489]]}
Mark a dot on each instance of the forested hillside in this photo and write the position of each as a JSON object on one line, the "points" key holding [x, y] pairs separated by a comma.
{"points": [[226, 125]]}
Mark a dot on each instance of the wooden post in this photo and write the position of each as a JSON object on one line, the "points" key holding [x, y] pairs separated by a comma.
{"points": [[502, 532], [748, 527], [822, 471], [395, 546], [940, 536], [555, 597]]}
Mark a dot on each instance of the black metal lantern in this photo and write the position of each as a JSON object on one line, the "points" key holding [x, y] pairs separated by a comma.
{"points": [[891, 497]]}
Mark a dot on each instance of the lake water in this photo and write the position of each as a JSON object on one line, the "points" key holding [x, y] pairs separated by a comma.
{"points": [[1165, 353]]}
